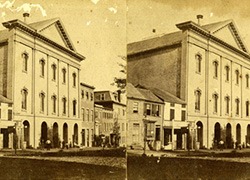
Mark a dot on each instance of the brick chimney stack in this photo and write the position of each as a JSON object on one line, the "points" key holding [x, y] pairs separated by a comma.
{"points": [[25, 16], [199, 17]]}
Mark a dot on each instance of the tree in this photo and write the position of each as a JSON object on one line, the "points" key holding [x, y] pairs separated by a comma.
{"points": [[120, 82]]}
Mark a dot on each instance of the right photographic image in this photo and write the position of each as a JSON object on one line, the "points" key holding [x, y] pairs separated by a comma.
{"points": [[188, 94]]}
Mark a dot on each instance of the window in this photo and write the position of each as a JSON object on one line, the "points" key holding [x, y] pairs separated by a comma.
{"points": [[53, 72], [172, 114], [237, 101], [227, 99], [74, 79], [237, 77], [102, 97], [42, 62], [25, 57], [74, 107], [87, 114], [227, 72], [42, 98], [216, 69], [9, 114], [183, 115], [64, 105], [83, 114], [91, 96], [82, 93], [215, 97], [247, 108], [198, 63], [92, 116], [172, 104], [54, 103], [155, 110], [197, 99], [148, 109], [183, 105], [87, 95], [150, 130], [135, 107], [247, 81], [24, 99], [64, 75]]}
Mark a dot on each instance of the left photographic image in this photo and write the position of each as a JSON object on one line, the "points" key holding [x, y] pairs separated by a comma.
{"points": [[63, 89]]}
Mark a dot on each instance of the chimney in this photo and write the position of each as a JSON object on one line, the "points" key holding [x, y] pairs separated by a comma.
{"points": [[25, 16], [199, 17]]}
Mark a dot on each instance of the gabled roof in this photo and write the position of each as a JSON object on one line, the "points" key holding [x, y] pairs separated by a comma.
{"points": [[4, 99], [42, 25], [215, 27], [167, 97], [154, 43], [132, 92]]}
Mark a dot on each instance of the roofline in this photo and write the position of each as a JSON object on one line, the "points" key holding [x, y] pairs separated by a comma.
{"points": [[29, 29], [193, 26], [89, 86]]}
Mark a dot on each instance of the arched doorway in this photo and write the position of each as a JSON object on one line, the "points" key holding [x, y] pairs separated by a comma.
{"points": [[75, 136], [200, 133], [238, 133], [248, 134], [65, 133], [229, 136], [55, 135], [217, 133], [44, 134], [26, 131]]}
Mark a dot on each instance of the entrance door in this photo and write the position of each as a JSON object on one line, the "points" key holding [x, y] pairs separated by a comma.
{"points": [[83, 137], [229, 136], [135, 133], [5, 137]]}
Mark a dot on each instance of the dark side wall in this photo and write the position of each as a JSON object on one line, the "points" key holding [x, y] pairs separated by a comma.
{"points": [[157, 69], [3, 69]]}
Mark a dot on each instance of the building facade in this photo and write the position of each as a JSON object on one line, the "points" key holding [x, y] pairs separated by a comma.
{"points": [[113, 116], [206, 66], [87, 109], [144, 118], [41, 70]]}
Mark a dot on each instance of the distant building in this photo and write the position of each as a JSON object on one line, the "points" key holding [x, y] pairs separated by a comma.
{"points": [[115, 111], [145, 118], [87, 111], [39, 70], [206, 66]]}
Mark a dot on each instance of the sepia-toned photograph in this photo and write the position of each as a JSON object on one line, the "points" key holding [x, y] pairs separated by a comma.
{"points": [[124, 89]]}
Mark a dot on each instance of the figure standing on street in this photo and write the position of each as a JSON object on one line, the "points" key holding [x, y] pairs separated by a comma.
{"points": [[221, 145], [48, 143]]}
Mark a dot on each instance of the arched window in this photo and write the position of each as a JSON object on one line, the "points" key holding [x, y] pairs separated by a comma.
{"points": [[74, 107], [42, 99], [237, 76], [247, 108], [54, 103], [25, 57], [247, 80], [198, 58], [227, 72], [216, 64], [53, 71], [227, 99], [42, 62], [197, 99], [215, 96], [64, 75], [74, 79], [237, 101], [64, 105], [24, 98]]}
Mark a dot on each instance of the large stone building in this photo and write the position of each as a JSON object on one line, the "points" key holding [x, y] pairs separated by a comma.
{"points": [[87, 109], [40, 71], [206, 66]]}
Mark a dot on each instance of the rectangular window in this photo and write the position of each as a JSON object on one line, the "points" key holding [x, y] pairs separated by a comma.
{"points": [[9, 114], [83, 115], [172, 104], [0, 114], [183, 115], [87, 114], [148, 109], [172, 114], [92, 116], [150, 130], [135, 107], [183, 105]]}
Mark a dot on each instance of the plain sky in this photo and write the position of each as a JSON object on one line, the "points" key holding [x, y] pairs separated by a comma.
{"points": [[96, 28], [100, 29]]}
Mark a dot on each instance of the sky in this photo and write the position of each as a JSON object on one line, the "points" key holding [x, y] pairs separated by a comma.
{"points": [[162, 15], [97, 29]]}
